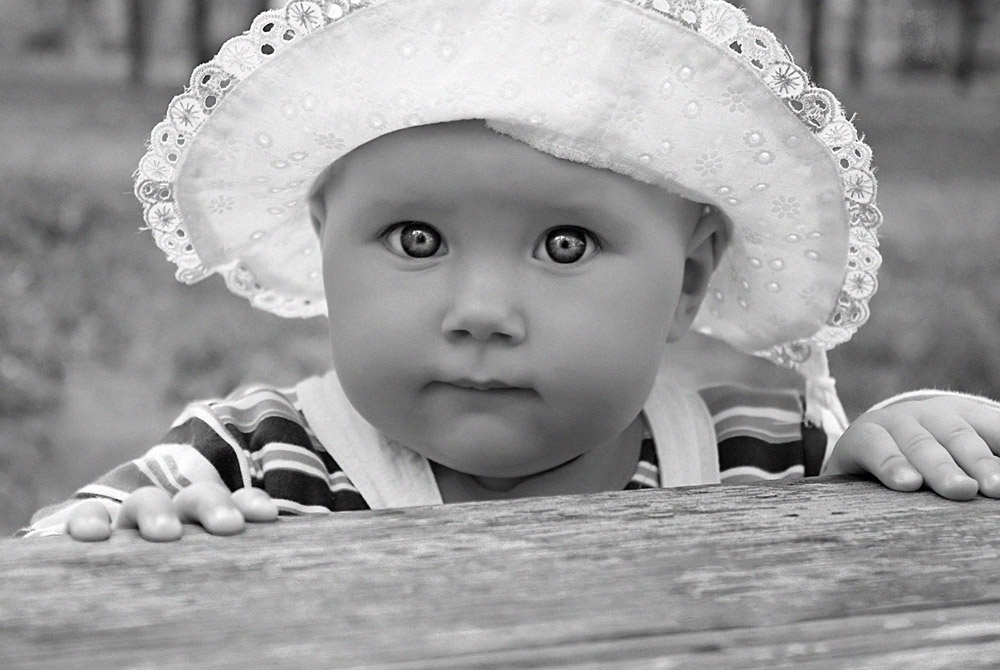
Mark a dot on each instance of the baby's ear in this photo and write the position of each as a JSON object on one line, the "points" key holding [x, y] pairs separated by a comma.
{"points": [[704, 251], [713, 228], [317, 209]]}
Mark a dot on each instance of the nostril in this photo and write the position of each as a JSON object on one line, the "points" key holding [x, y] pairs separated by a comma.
{"points": [[458, 334]]}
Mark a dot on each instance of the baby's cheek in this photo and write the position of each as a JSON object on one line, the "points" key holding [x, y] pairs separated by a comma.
{"points": [[376, 388], [599, 391], [613, 336]]}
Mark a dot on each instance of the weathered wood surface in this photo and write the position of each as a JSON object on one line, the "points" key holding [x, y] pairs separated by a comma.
{"points": [[833, 572]]}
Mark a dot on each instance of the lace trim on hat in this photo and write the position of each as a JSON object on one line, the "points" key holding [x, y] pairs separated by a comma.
{"points": [[718, 21]]}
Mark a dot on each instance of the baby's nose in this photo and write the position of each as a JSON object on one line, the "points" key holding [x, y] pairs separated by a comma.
{"points": [[484, 311]]}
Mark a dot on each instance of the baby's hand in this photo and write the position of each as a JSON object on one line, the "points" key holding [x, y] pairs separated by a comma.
{"points": [[947, 442], [159, 518]]}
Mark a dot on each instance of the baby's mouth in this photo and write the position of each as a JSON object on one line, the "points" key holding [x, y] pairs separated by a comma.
{"points": [[484, 386]]}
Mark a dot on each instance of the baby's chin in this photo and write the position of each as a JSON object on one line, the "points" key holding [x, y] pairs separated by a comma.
{"points": [[499, 471], [493, 460]]}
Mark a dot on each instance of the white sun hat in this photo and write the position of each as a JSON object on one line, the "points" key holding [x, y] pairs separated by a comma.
{"points": [[685, 94]]}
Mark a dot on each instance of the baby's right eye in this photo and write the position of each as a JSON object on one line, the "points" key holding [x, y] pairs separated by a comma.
{"points": [[414, 239]]}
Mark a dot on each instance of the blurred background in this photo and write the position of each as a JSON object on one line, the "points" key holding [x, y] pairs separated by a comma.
{"points": [[100, 347]]}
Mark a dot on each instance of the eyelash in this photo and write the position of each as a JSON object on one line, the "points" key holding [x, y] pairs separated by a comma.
{"points": [[393, 238]]}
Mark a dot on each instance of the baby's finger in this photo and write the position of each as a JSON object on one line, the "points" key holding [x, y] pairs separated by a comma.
{"points": [[151, 511], [872, 449], [986, 422], [968, 449], [210, 504], [89, 522], [255, 504], [932, 460]]}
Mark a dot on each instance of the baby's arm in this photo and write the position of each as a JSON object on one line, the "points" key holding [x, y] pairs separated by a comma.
{"points": [[946, 440], [186, 478]]}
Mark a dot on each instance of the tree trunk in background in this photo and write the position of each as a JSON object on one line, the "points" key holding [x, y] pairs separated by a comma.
{"points": [[198, 29], [816, 40], [968, 38], [136, 41], [856, 47]]}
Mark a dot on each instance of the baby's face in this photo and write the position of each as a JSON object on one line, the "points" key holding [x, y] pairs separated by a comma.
{"points": [[496, 309]]}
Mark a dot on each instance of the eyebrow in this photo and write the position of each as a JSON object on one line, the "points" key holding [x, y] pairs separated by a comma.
{"points": [[573, 208], [582, 208]]}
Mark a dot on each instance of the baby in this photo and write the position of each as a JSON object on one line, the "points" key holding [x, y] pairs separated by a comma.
{"points": [[511, 215]]}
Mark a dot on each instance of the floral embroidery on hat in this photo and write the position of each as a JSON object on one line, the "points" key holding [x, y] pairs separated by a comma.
{"points": [[860, 186], [735, 100], [221, 204], [304, 15], [754, 138], [708, 163], [860, 284], [720, 22], [786, 206], [187, 113], [156, 167], [162, 217], [838, 134], [238, 56], [764, 157], [786, 79], [329, 141]]}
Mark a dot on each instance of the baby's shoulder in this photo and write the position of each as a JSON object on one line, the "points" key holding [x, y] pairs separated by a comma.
{"points": [[261, 433], [251, 413], [257, 420], [762, 433], [250, 405], [730, 400]]}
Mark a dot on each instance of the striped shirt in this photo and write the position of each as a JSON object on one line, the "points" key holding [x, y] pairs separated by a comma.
{"points": [[260, 435]]}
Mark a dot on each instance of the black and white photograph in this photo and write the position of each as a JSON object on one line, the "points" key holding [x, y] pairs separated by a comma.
{"points": [[413, 334]]}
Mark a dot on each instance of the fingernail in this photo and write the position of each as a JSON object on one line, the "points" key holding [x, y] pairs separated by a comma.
{"points": [[267, 511], [225, 522], [227, 518], [965, 484], [165, 523], [906, 477], [992, 483], [89, 530]]}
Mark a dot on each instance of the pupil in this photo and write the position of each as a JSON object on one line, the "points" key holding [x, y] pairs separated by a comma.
{"points": [[565, 245], [419, 241]]}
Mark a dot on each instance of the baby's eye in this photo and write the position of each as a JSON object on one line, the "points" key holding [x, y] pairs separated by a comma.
{"points": [[414, 239], [566, 244]]}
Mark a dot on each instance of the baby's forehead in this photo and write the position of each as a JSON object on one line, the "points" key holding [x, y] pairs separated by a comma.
{"points": [[450, 163]]}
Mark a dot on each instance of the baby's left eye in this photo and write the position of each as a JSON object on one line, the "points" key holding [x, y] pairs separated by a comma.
{"points": [[566, 244]]}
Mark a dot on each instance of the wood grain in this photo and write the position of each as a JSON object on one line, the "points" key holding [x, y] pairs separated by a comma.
{"points": [[831, 572]]}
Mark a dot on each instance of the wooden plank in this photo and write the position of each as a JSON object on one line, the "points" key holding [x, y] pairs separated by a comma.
{"points": [[819, 571]]}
